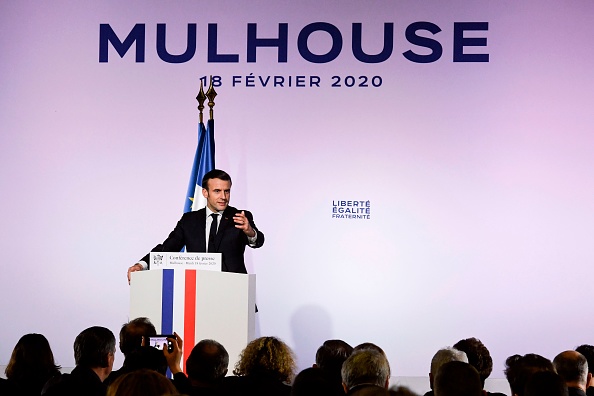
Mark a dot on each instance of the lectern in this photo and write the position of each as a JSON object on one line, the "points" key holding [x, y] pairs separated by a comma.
{"points": [[197, 304]]}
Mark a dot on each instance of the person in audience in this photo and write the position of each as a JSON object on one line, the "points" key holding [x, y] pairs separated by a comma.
{"points": [[133, 337], [478, 357], [457, 379], [134, 332], [314, 382], [545, 383], [370, 390], [31, 365], [206, 366], [519, 368], [588, 352], [266, 367], [441, 357], [94, 351], [401, 391], [365, 368], [572, 366], [329, 359], [142, 382], [369, 345]]}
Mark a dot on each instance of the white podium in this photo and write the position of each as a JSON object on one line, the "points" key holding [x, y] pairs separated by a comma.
{"points": [[197, 305]]}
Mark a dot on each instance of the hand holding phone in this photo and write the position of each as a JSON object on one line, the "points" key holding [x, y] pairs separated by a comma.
{"points": [[162, 339], [174, 355]]}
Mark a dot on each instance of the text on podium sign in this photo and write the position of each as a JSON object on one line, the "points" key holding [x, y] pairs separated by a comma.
{"points": [[184, 260]]}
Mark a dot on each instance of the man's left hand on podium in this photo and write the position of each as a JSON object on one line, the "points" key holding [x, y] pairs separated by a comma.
{"points": [[134, 268]]}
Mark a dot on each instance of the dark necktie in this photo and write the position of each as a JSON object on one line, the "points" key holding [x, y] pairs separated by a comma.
{"points": [[213, 233]]}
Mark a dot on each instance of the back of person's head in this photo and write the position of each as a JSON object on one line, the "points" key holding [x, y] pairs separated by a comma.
{"points": [[32, 352], [572, 366], [93, 346], [146, 357], [478, 356], [369, 345], [588, 352], [457, 379], [331, 355], [369, 390], [442, 357], [142, 383], [31, 360], [313, 382], [208, 361], [215, 174], [365, 366], [267, 356], [519, 368], [401, 391], [132, 332], [545, 383]]}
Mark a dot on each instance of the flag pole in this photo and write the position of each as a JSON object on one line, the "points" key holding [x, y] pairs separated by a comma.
{"points": [[210, 94], [201, 98]]}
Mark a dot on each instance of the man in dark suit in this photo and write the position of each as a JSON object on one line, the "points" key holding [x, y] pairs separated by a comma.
{"points": [[94, 350], [218, 228]]}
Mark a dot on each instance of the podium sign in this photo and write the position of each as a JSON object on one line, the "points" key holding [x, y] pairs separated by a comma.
{"points": [[197, 305], [183, 260]]}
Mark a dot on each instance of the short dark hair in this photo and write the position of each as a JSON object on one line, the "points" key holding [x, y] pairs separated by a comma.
{"points": [[215, 174], [331, 355], [146, 357], [588, 352], [545, 383], [132, 332], [208, 361], [519, 368], [312, 382], [457, 379], [369, 345], [478, 356], [93, 346]]}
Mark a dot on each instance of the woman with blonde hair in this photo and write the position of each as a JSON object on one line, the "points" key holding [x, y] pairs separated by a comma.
{"points": [[265, 367]]}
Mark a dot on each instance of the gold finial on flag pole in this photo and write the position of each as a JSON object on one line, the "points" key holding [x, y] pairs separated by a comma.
{"points": [[201, 98], [211, 94]]}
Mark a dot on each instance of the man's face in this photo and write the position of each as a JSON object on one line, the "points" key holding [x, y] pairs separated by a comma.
{"points": [[217, 194]]}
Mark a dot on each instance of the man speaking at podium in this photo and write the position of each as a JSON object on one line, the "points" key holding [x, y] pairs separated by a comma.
{"points": [[217, 228]]}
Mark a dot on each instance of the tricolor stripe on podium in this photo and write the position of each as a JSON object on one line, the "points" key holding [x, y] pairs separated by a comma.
{"points": [[197, 304], [178, 306]]}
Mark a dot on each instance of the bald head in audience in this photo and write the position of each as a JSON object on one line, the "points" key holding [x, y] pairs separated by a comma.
{"points": [[572, 366]]}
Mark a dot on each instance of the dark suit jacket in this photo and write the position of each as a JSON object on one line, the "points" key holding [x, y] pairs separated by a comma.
{"points": [[81, 381], [230, 241], [254, 385], [575, 392]]}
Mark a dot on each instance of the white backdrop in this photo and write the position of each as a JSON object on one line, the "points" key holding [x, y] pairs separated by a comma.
{"points": [[478, 174]]}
